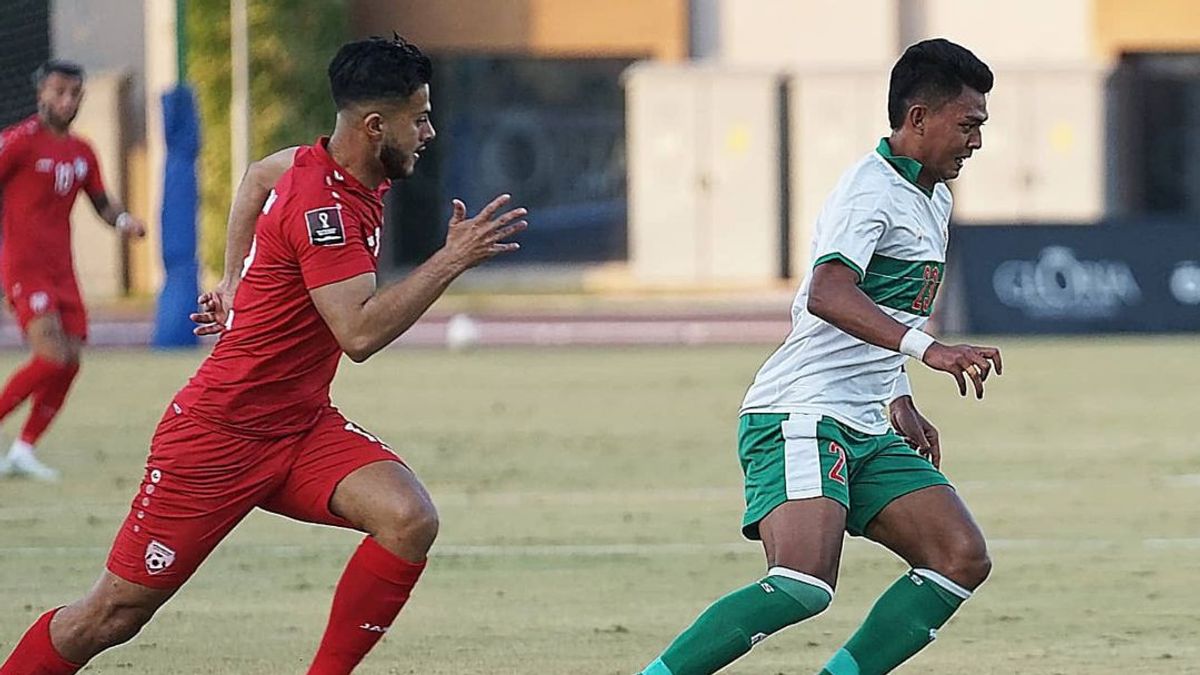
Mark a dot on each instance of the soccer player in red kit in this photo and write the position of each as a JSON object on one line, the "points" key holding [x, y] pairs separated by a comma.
{"points": [[254, 427], [42, 167]]}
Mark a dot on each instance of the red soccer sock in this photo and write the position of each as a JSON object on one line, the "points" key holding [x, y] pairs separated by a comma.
{"points": [[373, 588], [25, 381], [47, 400], [35, 653]]}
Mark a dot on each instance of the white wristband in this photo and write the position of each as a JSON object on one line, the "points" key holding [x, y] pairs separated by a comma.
{"points": [[124, 221], [915, 342]]}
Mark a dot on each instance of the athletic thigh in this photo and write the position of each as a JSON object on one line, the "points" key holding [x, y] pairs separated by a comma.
{"points": [[333, 450], [796, 492], [806, 536], [930, 528], [197, 486], [883, 468], [72, 312]]}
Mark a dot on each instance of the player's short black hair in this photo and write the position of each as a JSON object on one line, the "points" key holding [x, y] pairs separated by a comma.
{"points": [[68, 68], [933, 72], [377, 69]]}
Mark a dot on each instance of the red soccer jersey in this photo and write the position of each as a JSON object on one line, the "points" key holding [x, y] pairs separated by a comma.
{"points": [[270, 372], [40, 174]]}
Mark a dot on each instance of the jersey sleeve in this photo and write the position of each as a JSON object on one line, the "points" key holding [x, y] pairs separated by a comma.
{"points": [[93, 184], [13, 150], [851, 237], [328, 242]]}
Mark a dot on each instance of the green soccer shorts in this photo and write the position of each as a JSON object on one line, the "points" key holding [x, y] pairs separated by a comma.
{"points": [[800, 456]]}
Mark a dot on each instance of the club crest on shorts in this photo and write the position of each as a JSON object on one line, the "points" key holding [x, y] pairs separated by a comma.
{"points": [[325, 226], [158, 557], [39, 301]]}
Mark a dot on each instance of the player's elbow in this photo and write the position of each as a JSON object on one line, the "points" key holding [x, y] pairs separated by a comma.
{"points": [[358, 348], [357, 353], [818, 301]]}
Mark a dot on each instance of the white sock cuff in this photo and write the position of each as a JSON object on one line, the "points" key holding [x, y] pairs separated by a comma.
{"points": [[802, 577], [943, 582]]}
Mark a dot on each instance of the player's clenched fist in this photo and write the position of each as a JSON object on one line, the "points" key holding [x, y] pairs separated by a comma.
{"points": [[964, 361], [470, 241]]}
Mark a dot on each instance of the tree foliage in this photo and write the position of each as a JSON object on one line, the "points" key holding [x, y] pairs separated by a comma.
{"points": [[291, 42]]}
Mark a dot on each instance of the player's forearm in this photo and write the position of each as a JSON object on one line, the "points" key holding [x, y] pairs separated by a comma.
{"points": [[243, 216], [847, 308], [108, 210], [391, 311], [248, 203]]}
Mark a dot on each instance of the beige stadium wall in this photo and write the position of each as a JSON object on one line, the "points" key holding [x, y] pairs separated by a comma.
{"points": [[1014, 32], [1042, 157], [1145, 25], [651, 28], [835, 117], [96, 247], [704, 176], [808, 33]]}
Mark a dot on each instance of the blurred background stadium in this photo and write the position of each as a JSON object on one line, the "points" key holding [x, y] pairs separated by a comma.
{"points": [[674, 155], [673, 148]]}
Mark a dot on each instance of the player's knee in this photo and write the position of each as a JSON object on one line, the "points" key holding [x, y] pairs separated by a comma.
{"points": [[411, 527], [967, 561]]}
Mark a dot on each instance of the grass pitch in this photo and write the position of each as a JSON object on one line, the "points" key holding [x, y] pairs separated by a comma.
{"points": [[590, 504]]}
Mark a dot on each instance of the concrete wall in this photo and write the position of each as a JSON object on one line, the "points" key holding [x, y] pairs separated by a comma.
{"points": [[835, 119], [1145, 25], [108, 37], [96, 246], [704, 176], [105, 36], [1043, 150], [1014, 32], [650, 28], [808, 33]]}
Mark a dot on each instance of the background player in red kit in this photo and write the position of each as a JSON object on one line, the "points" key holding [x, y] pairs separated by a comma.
{"points": [[254, 427], [42, 167]]}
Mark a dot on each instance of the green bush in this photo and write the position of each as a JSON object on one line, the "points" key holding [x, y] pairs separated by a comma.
{"points": [[291, 42]]}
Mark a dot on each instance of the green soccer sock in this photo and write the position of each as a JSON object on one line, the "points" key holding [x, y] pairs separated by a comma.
{"points": [[736, 622], [904, 619]]}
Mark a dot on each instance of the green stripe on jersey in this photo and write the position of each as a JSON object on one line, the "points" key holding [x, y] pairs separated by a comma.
{"points": [[907, 285], [842, 259]]}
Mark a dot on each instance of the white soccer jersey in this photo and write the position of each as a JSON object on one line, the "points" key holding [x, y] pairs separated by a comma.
{"points": [[893, 233]]}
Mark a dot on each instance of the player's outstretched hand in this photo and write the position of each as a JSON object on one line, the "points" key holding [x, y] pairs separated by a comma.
{"points": [[214, 309], [964, 361], [470, 241], [916, 430]]}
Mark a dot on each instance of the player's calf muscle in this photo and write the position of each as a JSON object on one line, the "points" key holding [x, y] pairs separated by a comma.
{"points": [[98, 622]]}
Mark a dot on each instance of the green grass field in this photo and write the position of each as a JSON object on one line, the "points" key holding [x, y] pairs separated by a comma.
{"points": [[590, 504]]}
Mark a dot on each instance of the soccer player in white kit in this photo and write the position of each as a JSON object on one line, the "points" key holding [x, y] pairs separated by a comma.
{"points": [[829, 438]]}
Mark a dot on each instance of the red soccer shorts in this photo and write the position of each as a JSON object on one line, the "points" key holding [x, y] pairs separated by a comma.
{"points": [[200, 483], [32, 298]]}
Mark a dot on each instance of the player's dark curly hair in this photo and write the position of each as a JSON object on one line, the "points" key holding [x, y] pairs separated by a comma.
{"points": [[933, 72], [68, 68], [377, 69]]}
